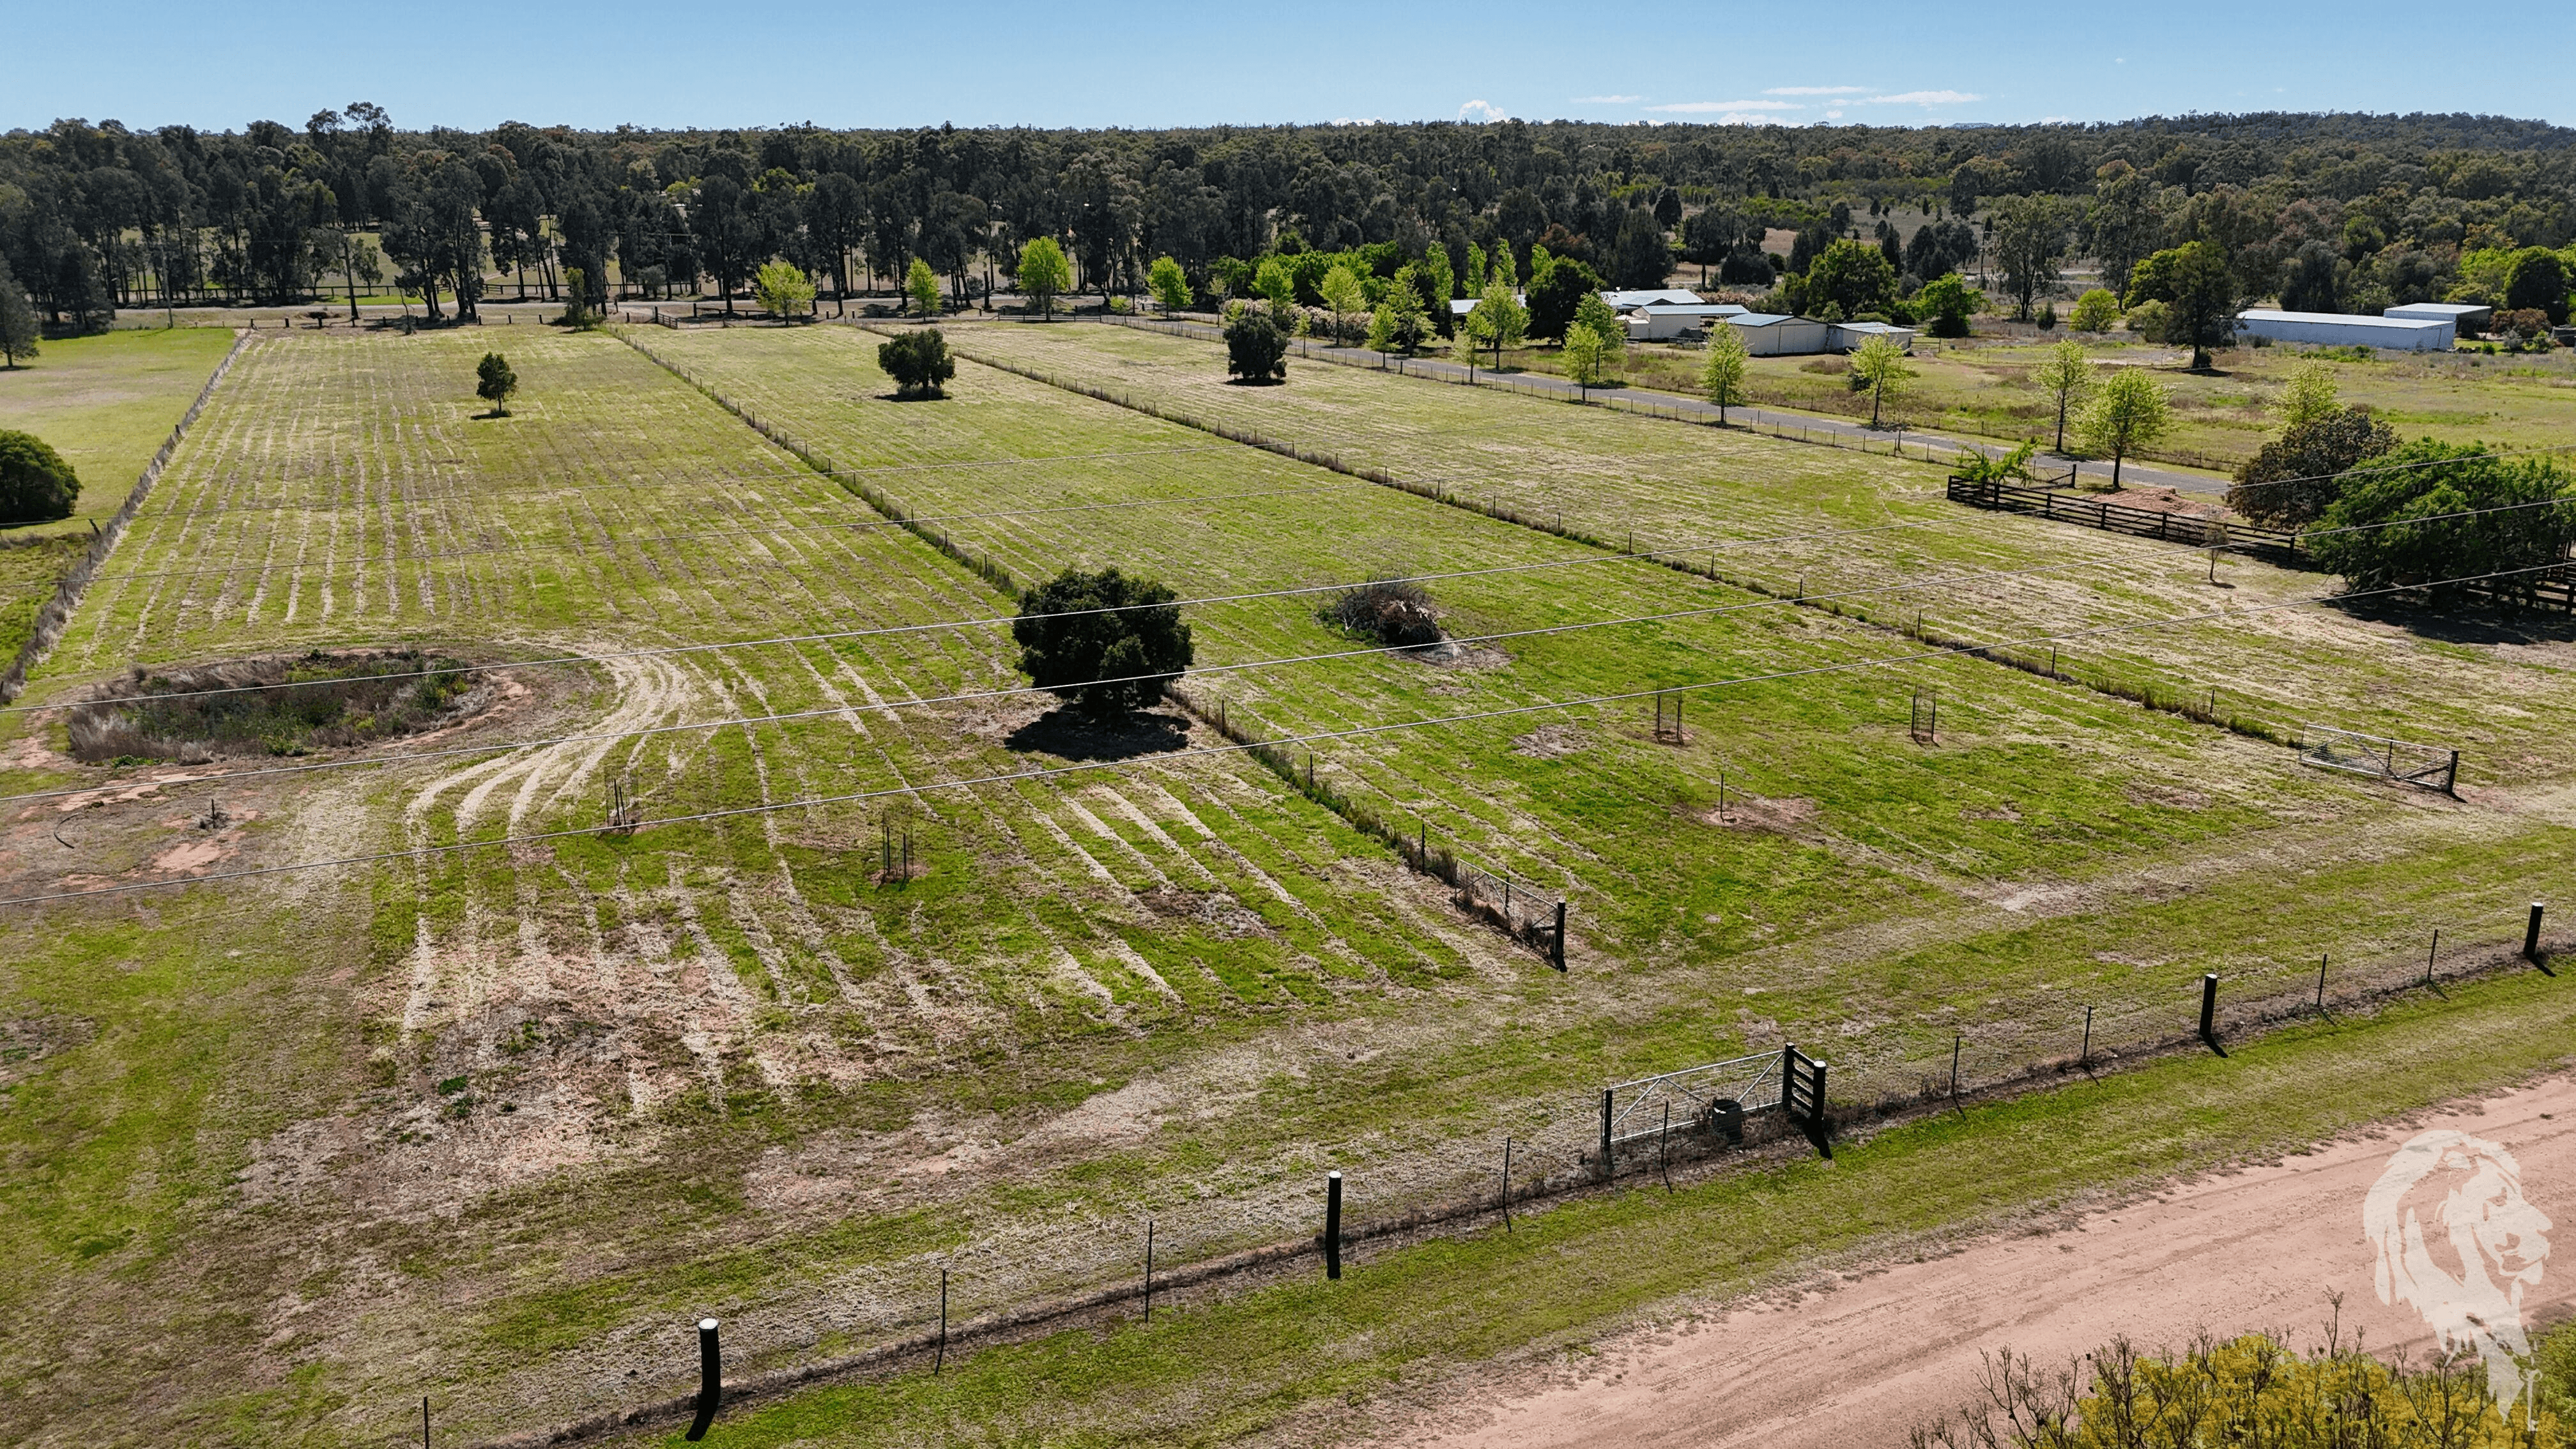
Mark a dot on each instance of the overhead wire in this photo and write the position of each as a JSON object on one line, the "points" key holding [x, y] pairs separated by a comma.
{"points": [[1207, 751]]}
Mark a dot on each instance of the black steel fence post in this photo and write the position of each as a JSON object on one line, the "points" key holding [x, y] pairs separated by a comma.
{"points": [[2209, 1008], [1559, 953], [2531, 934], [1788, 1078], [1605, 1133], [710, 1379], [1333, 1225]]}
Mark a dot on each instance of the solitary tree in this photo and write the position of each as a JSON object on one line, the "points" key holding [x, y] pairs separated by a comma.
{"points": [[494, 382], [1255, 349], [921, 284], [2309, 397], [36, 485], [1946, 303], [1722, 375], [1343, 295], [1169, 284], [2066, 374], [1105, 642], [785, 291], [17, 319], [2095, 311], [2298, 476], [1587, 357], [1880, 365], [1044, 273], [1498, 321], [918, 361], [2127, 413], [2030, 236], [2198, 293]]}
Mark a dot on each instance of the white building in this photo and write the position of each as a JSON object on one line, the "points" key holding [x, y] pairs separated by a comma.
{"points": [[2339, 329], [1848, 336], [1768, 334], [2463, 316], [1654, 297], [1664, 321]]}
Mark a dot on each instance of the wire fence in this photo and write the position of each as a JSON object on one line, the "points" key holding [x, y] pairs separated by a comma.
{"points": [[1448, 1175]]}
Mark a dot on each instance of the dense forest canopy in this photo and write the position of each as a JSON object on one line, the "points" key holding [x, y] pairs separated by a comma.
{"points": [[2342, 212]]}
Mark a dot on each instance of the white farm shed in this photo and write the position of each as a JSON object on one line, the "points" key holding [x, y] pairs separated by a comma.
{"points": [[2463, 316], [2338, 329], [1848, 336], [1653, 297], [1767, 334], [1664, 321]]}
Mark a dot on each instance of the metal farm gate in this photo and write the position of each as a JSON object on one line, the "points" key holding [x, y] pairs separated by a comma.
{"points": [[1713, 1101], [2426, 767]]}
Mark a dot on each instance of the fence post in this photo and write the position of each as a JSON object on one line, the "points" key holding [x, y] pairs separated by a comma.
{"points": [[1559, 953], [710, 1379], [2531, 935], [1788, 1077], [2209, 1007], [1605, 1134], [1333, 1225]]}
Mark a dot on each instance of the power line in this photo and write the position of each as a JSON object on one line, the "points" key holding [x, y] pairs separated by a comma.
{"points": [[1205, 751]]}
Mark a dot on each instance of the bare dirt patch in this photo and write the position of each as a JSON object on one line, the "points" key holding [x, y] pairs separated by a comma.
{"points": [[1216, 910], [1786, 814], [1858, 1356], [1551, 742]]}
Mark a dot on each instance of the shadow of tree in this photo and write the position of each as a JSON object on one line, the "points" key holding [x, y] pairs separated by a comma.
{"points": [[1067, 735]]}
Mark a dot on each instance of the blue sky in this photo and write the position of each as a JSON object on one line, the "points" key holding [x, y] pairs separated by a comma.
{"points": [[655, 63]]}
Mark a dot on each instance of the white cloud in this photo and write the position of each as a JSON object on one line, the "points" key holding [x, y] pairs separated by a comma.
{"points": [[1815, 90], [1833, 115], [1482, 111], [1607, 100], [1697, 108], [1922, 98]]}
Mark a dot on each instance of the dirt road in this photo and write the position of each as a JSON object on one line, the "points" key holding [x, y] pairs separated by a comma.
{"points": [[1858, 1363]]}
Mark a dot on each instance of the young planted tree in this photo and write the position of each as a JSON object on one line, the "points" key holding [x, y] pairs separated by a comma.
{"points": [[1343, 295], [1587, 357], [918, 362], [1255, 349], [1169, 284], [1277, 286], [785, 292], [2309, 397], [36, 485], [494, 382], [1044, 273], [2066, 375], [1439, 285], [1498, 321], [1880, 366], [1722, 373], [1104, 642], [18, 326], [921, 285], [2127, 413], [1400, 324]]}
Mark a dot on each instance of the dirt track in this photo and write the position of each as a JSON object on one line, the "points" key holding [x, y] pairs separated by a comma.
{"points": [[1862, 1361]]}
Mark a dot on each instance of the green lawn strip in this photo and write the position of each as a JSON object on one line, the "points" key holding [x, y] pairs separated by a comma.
{"points": [[106, 403], [1214, 1371], [1615, 475]]}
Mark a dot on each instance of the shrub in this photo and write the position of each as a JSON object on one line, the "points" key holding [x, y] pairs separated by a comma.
{"points": [[1946, 303], [2095, 311], [1999, 467], [36, 485], [1104, 642], [1386, 610], [2150, 320], [2396, 527], [1255, 350], [918, 362], [2316, 452], [784, 290], [2048, 317]]}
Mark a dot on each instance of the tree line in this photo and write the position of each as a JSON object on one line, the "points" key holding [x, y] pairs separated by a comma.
{"points": [[2349, 209]]}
